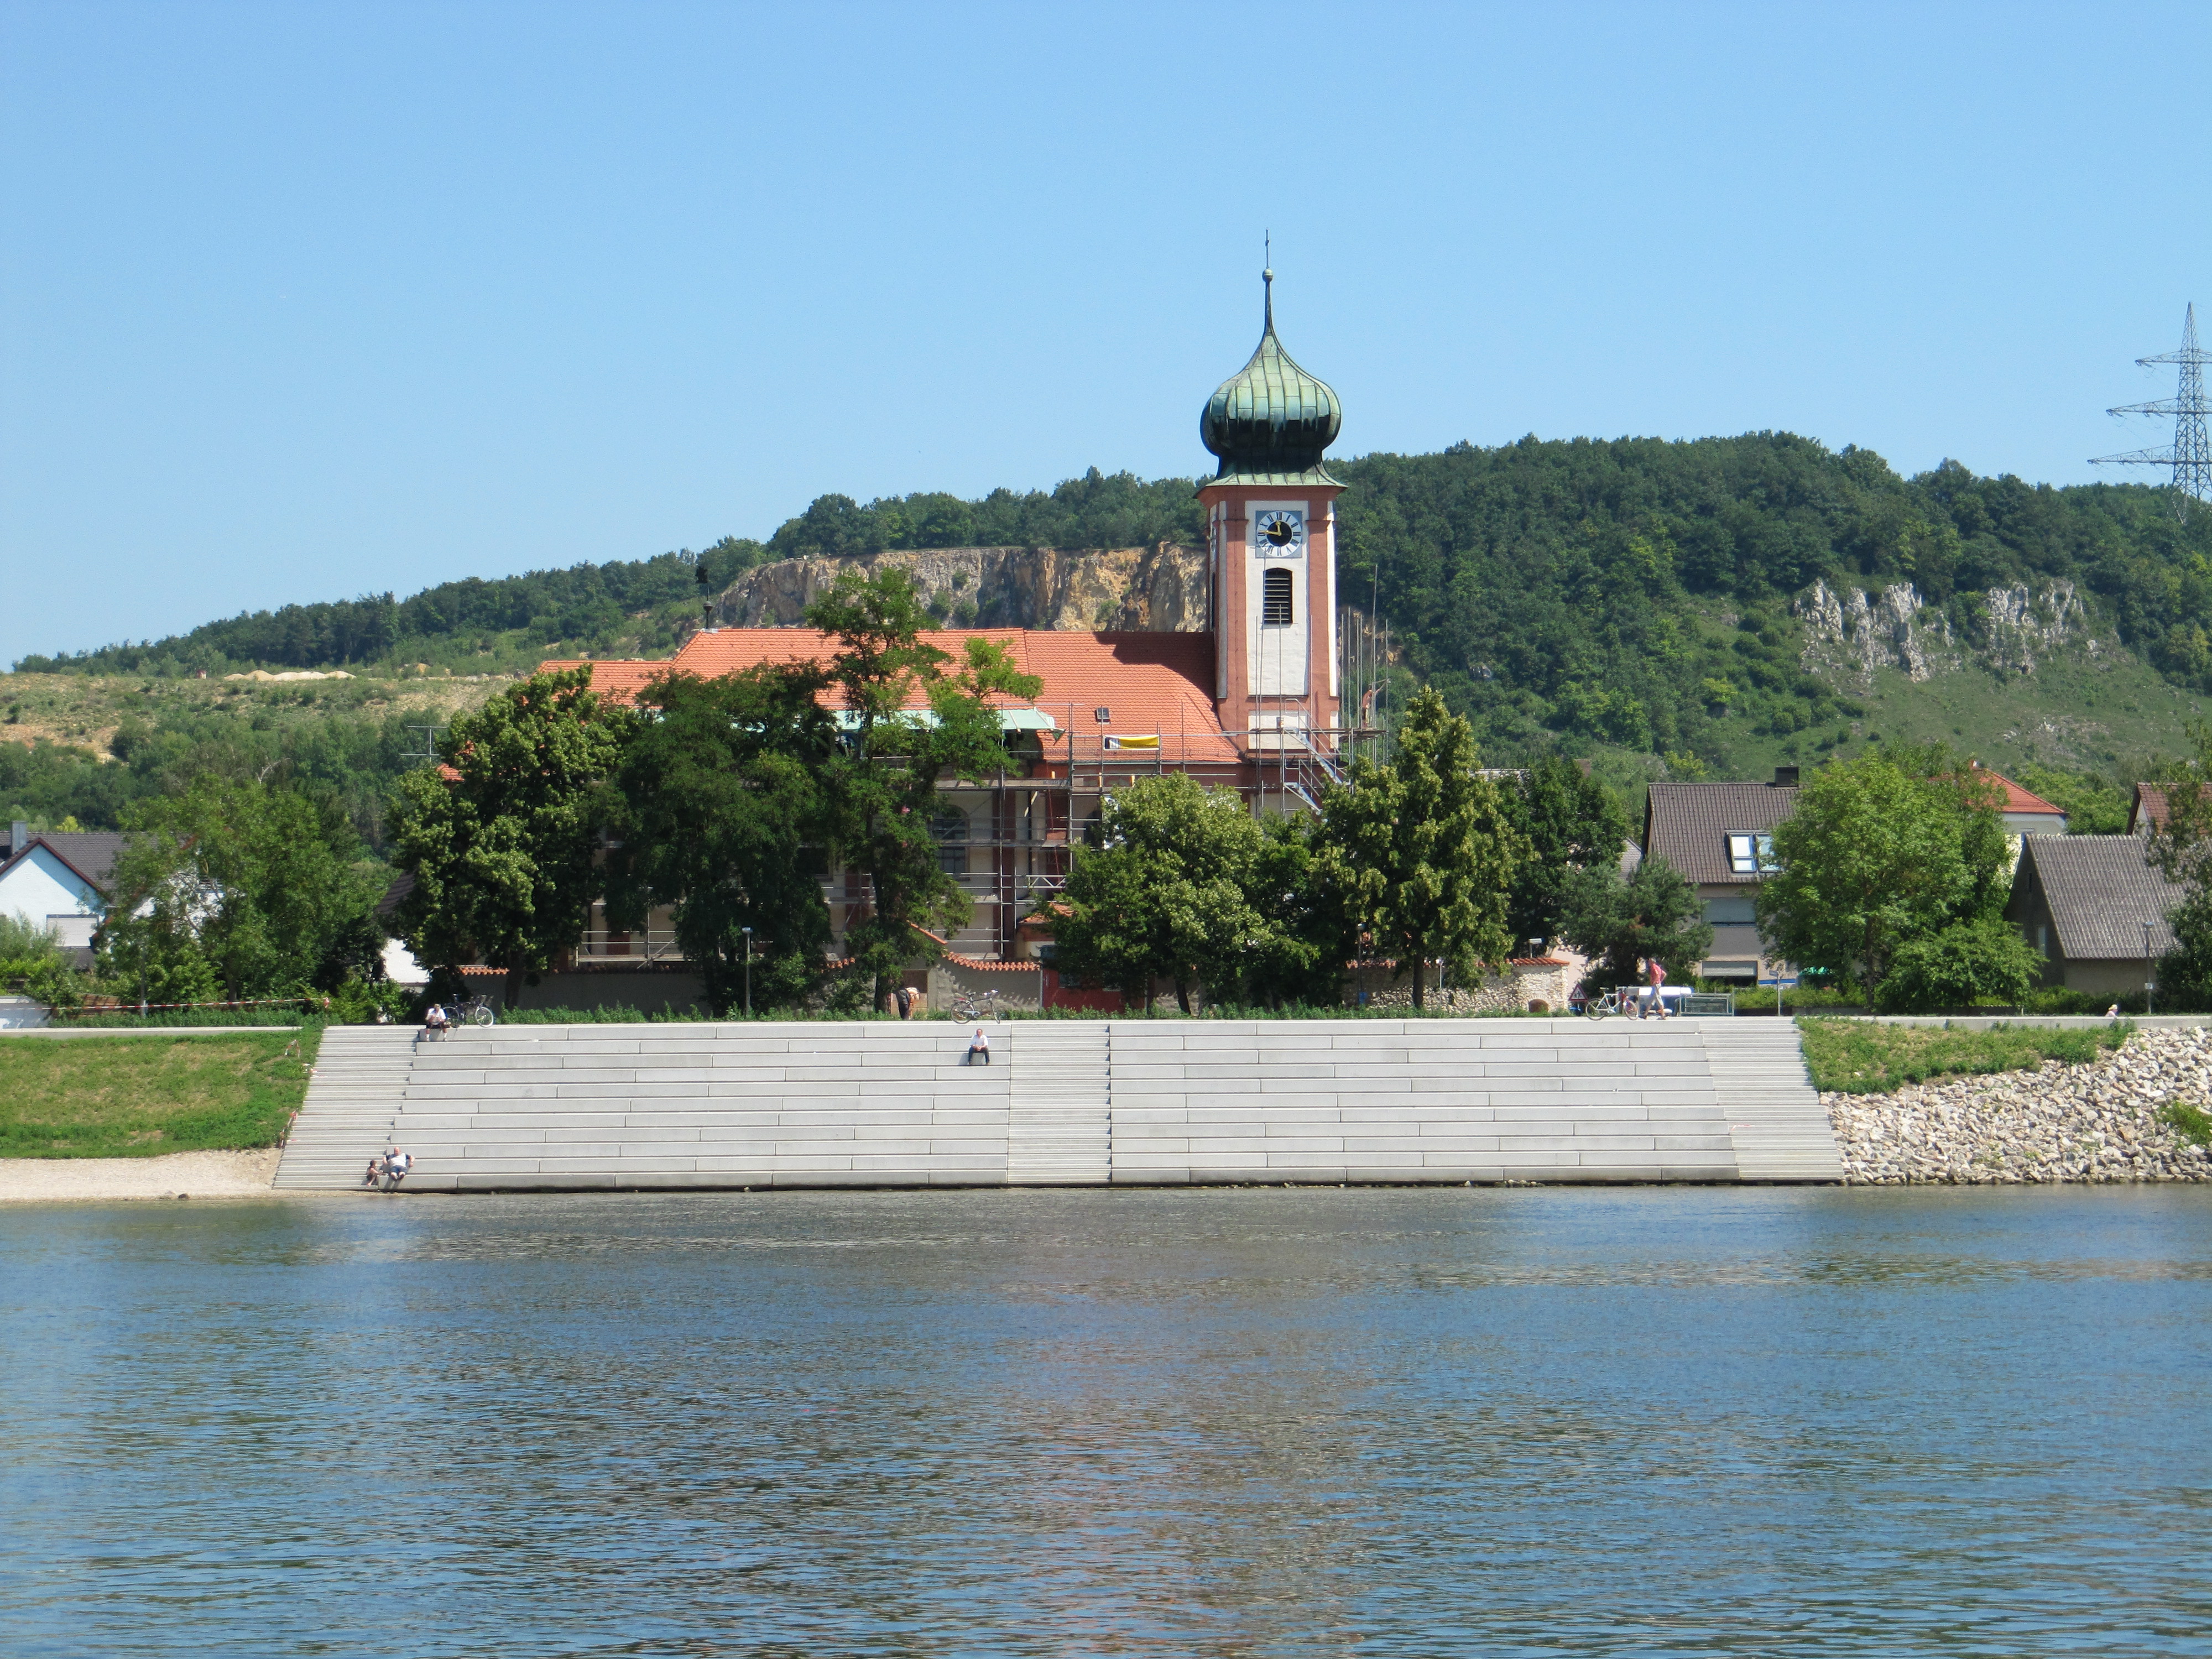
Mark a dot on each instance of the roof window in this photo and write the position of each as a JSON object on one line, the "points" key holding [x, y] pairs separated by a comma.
{"points": [[1750, 853]]}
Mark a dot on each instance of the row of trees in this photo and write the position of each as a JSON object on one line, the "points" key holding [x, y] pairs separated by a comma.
{"points": [[723, 799], [1425, 858], [726, 799]]}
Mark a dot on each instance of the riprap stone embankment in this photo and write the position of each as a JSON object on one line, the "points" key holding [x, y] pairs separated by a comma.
{"points": [[2087, 1123]]}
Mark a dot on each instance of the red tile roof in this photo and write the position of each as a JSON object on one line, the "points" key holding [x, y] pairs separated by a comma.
{"points": [[1149, 683], [2016, 799]]}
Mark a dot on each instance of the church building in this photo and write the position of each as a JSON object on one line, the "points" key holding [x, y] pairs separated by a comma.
{"points": [[1252, 702]]}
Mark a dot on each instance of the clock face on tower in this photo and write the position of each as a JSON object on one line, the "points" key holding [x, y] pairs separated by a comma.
{"points": [[1278, 533]]}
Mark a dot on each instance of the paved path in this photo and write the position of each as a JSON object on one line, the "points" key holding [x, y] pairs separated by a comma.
{"points": [[195, 1174]]}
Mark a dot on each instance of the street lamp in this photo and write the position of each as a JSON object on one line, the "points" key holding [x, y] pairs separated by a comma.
{"points": [[2150, 979], [748, 933]]}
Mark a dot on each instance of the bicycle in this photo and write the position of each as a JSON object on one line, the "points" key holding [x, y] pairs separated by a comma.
{"points": [[968, 1008], [1622, 1000], [477, 1010]]}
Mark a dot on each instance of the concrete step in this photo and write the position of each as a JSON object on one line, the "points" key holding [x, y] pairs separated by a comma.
{"points": [[1125, 1100]]}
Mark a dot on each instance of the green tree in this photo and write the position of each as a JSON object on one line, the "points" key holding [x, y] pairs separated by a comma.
{"points": [[1894, 846], [1655, 913], [503, 839], [1308, 938], [915, 722], [256, 891], [717, 810], [1423, 849], [1165, 895], [2182, 848], [1982, 957], [2093, 805], [1571, 822]]}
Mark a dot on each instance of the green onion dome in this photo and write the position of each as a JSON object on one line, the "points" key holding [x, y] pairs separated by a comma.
{"points": [[1271, 418]]}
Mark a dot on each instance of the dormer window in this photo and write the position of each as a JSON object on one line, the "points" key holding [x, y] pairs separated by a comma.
{"points": [[1275, 599], [1750, 853]]}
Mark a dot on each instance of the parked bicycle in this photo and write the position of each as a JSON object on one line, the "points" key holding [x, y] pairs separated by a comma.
{"points": [[1622, 1000], [447, 1016], [969, 1008]]}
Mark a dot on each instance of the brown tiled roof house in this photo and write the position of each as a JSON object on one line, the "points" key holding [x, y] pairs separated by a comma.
{"points": [[2085, 902], [1714, 833]]}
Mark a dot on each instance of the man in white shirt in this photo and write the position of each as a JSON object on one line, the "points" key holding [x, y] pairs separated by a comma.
{"points": [[979, 1051]]}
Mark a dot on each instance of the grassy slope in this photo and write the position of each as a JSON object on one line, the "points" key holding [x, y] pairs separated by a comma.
{"points": [[137, 1096], [83, 710], [1861, 1058]]}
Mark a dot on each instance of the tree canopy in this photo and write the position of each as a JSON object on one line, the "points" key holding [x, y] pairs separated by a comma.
{"points": [[1894, 846], [1423, 849], [504, 852], [717, 810]]}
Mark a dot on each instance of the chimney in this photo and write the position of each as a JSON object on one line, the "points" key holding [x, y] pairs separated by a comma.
{"points": [[19, 837], [1785, 777]]}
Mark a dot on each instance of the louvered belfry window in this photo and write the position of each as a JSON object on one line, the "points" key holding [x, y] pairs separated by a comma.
{"points": [[1275, 599]]}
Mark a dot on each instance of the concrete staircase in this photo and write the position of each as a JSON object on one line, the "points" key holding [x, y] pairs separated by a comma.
{"points": [[1061, 1125], [1775, 1120], [1125, 1101], [355, 1101], [1417, 1100]]}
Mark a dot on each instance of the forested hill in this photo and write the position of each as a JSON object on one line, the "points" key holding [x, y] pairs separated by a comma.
{"points": [[635, 606], [1638, 594]]}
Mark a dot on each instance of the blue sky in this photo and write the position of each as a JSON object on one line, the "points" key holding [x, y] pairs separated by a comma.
{"points": [[302, 302]]}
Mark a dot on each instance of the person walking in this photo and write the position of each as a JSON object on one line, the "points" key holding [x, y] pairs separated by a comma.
{"points": [[1657, 971]]}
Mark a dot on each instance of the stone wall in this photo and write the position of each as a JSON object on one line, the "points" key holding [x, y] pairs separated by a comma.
{"points": [[1544, 981], [1020, 990], [1160, 589]]}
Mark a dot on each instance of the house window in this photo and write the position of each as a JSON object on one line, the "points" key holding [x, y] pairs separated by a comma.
{"points": [[950, 829], [1750, 854], [1275, 599]]}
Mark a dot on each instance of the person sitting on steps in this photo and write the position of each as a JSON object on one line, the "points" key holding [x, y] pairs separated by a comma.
{"points": [[979, 1050], [434, 1022], [396, 1163]]}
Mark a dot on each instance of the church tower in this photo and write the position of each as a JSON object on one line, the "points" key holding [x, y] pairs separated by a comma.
{"points": [[1271, 544]]}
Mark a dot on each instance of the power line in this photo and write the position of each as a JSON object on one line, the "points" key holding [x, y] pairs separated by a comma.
{"points": [[2189, 456]]}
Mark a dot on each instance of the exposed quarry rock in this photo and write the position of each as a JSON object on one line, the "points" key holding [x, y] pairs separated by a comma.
{"points": [[2096, 1123], [1851, 634], [1153, 590], [1855, 633], [2021, 624]]}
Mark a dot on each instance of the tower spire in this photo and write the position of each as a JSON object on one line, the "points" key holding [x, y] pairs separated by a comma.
{"points": [[2190, 454], [1267, 283]]}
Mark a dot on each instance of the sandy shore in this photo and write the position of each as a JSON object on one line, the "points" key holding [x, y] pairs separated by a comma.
{"points": [[200, 1175]]}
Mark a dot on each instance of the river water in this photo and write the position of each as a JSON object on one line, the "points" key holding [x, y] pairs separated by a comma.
{"points": [[1479, 1421]]}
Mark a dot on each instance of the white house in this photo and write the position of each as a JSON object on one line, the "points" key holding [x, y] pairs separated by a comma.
{"points": [[54, 880]]}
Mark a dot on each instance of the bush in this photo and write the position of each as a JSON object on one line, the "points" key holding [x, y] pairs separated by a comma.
{"points": [[1958, 967]]}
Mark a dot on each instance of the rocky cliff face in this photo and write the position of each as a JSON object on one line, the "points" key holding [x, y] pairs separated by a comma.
{"points": [[1151, 590], [1849, 635]]}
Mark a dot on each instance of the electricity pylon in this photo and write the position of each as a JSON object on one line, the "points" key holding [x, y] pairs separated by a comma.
{"points": [[2190, 455]]}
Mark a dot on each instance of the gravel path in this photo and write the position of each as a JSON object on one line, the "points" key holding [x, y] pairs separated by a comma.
{"points": [[195, 1174], [2088, 1123]]}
